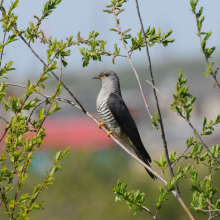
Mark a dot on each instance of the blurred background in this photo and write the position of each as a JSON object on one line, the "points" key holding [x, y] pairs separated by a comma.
{"points": [[83, 190]]}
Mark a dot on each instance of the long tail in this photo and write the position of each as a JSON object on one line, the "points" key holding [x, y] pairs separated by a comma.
{"points": [[147, 162]]}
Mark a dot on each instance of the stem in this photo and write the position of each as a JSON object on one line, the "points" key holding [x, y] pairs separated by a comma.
{"points": [[155, 96], [60, 67], [143, 207], [40, 190], [199, 137], [29, 118], [3, 39], [3, 199], [51, 71], [177, 160], [207, 61], [21, 107]]}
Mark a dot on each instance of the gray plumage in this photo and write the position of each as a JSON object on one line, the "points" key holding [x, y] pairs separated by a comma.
{"points": [[116, 116]]}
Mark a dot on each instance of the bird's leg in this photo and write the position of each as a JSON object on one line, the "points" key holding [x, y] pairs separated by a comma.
{"points": [[101, 124], [110, 132]]}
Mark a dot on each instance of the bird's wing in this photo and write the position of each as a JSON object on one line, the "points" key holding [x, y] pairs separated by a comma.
{"points": [[121, 113]]}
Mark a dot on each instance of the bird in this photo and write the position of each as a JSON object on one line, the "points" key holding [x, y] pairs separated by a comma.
{"points": [[116, 116]]}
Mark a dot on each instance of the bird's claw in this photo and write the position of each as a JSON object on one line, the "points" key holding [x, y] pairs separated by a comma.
{"points": [[108, 134], [101, 124]]}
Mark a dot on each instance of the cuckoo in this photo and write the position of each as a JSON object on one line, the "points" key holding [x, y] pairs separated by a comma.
{"points": [[116, 116]]}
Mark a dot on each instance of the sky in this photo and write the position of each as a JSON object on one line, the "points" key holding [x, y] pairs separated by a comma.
{"points": [[86, 15]]}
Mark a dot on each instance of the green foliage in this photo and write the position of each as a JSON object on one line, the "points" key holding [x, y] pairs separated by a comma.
{"points": [[9, 19], [134, 199], [25, 135], [207, 51], [49, 7], [171, 185], [6, 68], [162, 163], [204, 193], [138, 42], [183, 100], [155, 120]]}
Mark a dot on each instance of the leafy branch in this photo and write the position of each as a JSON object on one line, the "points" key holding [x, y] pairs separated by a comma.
{"points": [[183, 105], [206, 51], [134, 199]]}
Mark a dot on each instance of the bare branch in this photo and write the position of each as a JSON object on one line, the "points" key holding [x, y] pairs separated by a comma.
{"points": [[155, 96], [3, 119], [158, 91], [211, 217], [146, 209], [211, 210]]}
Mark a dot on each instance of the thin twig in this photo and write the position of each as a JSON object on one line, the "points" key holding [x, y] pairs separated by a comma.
{"points": [[177, 160], [16, 194], [211, 210], [3, 119], [51, 71], [146, 209], [143, 207], [206, 58], [3, 39], [60, 66], [214, 216], [40, 190], [155, 96], [3, 199], [199, 137], [29, 118], [158, 91]]}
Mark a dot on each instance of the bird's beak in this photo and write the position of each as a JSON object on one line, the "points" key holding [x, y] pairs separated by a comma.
{"points": [[97, 77]]}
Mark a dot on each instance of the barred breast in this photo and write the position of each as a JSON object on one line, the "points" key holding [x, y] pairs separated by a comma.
{"points": [[106, 115], [110, 122]]}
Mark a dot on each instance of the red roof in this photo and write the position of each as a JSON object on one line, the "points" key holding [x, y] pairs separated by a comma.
{"points": [[77, 133]]}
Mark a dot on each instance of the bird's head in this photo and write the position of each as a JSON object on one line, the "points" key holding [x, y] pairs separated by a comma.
{"points": [[107, 76], [110, 82]]}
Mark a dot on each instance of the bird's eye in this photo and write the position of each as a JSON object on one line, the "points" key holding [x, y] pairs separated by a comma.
{"points": [[106, 74]]}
